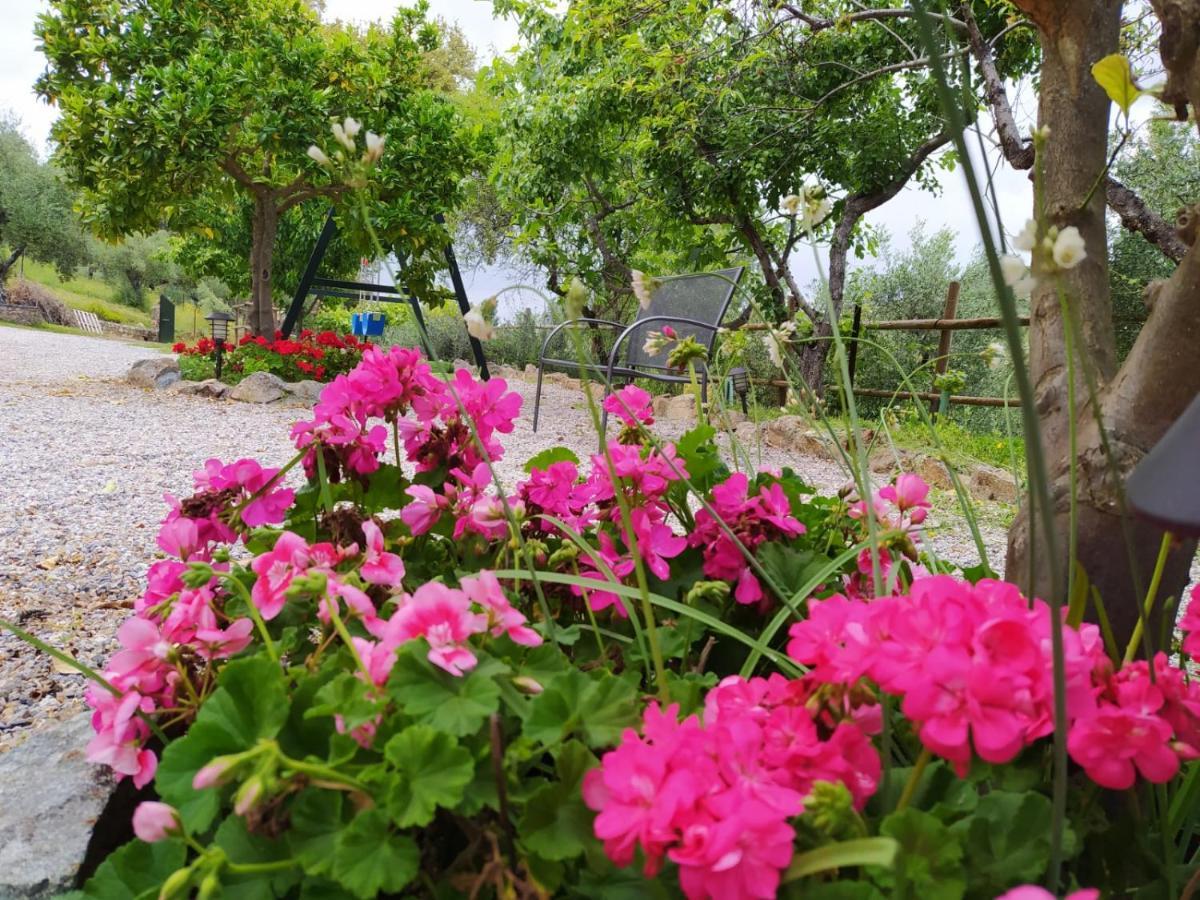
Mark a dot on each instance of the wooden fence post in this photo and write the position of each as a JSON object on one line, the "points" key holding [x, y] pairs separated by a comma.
{"points": [[855, 333], [943, 350]]}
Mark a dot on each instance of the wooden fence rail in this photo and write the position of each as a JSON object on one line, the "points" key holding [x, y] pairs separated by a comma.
{"points": [[947, 324]]}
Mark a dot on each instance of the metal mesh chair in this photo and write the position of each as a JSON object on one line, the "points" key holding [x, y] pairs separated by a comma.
{"points": [[694, 305]]}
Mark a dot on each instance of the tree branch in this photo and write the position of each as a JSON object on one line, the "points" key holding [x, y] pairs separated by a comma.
{"points": [[1016, 151], [866, 15], [1136, 216], [234, 169], [329, 190]]}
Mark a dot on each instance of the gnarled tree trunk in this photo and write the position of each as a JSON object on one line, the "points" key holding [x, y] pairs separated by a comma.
{"points": [[1138, 403]]}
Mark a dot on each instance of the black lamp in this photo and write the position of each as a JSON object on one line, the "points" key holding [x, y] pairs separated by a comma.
{"points": [[741, 386], [218, 321], [1163, 488]]}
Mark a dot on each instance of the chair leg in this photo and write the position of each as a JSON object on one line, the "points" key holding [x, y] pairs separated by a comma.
{"points": [[537, 399]]}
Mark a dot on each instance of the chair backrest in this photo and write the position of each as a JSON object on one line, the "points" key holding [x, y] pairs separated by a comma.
{"points": [[703, 296]]}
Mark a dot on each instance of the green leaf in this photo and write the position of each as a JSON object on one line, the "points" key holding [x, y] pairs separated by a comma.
{"points": [[135, 869], [877, 851], [243, 847], [250, 703], [557, 825], [789, 568], [316, 821], [699, 451], [457, 706], [597, 706], [929, 864], [1007, 840], [549, 457], [433, 769], [369, 857], [1114, 75]]}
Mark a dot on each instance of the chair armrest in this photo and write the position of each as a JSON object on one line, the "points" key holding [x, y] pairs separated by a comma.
{"points": [[695, 323], [573, 322]]}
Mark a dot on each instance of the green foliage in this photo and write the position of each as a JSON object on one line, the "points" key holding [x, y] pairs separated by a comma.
{"points": [[249, 87], [137, 264], [1161, 166], [36, 216]]}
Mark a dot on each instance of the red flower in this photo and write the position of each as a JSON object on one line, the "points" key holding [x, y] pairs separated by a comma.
{"points": [[181, 347]]}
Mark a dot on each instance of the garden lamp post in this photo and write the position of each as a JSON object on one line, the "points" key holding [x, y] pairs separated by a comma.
{"points": [[741, 386], [218, 321]]}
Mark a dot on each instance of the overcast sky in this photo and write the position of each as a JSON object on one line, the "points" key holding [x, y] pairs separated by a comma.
{"points": [[21, 63]]}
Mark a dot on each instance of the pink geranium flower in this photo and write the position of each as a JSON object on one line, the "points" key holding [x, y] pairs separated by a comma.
{"points": [[484, 590], [632, 404], [275, 570], [379, 566], [443, 617]]}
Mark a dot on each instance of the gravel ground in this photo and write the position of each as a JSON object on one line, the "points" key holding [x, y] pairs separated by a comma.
{"points": [[86, 459]]}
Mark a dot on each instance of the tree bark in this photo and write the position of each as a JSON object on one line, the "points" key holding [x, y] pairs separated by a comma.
{"points": [[263, 230], [6, 267], [1158, 379]]}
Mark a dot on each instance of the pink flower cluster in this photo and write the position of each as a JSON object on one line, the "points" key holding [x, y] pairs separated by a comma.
{"points": [[631, 404], [753, 520], [1189, 624], [974, 668], [715, 797], [173, 622], [901, 506], [972, 662], [1138, 726], [386, 385]]}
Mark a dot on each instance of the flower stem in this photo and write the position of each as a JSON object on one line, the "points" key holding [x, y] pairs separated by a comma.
{"points": [[914, 777], [1160, 566], [256, 616]]}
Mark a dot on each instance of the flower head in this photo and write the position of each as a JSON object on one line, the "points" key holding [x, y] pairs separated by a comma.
{"points": [[154, 821], [1069, 250]]}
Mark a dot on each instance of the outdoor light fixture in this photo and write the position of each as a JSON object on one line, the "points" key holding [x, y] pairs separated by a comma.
{"points": [[1163, 489], [741, 386], [218, 321]]}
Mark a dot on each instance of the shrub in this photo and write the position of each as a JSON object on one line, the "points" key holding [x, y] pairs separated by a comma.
{"points": [[319, 357], [393, 677]]}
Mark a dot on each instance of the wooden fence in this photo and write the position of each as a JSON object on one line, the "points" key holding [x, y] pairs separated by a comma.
{"points": [[947, 324]]}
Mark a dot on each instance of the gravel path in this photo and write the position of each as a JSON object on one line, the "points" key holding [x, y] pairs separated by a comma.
{"points": [[86, 459]]}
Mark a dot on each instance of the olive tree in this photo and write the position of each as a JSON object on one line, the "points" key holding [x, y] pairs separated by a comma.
{"points": [[36, 215]]}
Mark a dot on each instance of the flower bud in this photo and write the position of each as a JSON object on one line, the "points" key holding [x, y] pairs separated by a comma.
{"points": [[318, 156], [154, 821], [214, 773], [210, 887], [527, 685], [176, 884], [248, 795]]}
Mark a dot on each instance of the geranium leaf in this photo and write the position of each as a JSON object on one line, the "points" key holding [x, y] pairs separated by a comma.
{"points": [[457, 706], [557, 825], [928, 865], [250, 703], [434, 771], [316, 821], [135, 869], [369, 858], [597, 707], [1007, 841], [549, 457]]}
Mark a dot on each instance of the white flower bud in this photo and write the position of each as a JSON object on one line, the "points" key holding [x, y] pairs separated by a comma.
{"points": [[318, 156], [1069, 250]]}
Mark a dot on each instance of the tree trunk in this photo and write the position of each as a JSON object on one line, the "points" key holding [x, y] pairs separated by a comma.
{"points": [[6, 266], [810, 358], [264, 227], [1075, 35]]}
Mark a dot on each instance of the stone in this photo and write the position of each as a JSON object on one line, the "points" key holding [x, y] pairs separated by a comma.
{"points": [[153, 373], [748, 433], [210, 387], [727, 418], [557, 378], [810, 443], [991, 483], [778, 432], [935, 473], [886, 461], [306, 391], [259, 387], [531, 372], [680, 408], [50, 799], [659, 405]]}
